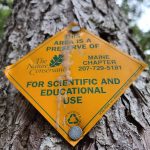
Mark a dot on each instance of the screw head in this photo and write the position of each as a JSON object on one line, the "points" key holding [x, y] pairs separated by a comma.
{"points": [[75, 29], [75, 133]]}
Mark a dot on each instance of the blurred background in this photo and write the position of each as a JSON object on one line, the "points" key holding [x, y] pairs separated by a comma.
{"points": [[5, 12], [138, 12]]}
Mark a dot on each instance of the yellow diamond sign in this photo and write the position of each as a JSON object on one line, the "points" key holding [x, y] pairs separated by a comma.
{"points": [[73, 78]]}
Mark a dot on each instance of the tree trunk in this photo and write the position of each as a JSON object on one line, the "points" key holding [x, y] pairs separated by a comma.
{"points": [[126, 126]]}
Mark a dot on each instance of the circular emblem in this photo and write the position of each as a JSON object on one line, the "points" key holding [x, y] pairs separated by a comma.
{"points": [[73, 118]]}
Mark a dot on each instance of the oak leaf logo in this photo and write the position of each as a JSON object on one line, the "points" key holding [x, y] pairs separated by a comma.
{"points": [[56, 60]]}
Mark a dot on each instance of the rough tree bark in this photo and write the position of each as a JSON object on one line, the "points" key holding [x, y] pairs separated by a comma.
{"points": [[126, 126]]}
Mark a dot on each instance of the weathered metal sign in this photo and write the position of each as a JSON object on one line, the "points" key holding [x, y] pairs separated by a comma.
{"points": [[73, 78]]}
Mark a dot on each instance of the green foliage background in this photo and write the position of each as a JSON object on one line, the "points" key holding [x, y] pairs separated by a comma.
{"points": [[134, 9], [5, 11]]}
